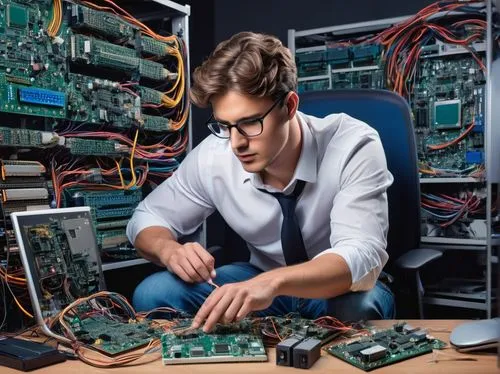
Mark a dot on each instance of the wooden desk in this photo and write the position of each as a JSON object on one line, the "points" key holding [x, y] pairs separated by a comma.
{"points": [[486, 363]]}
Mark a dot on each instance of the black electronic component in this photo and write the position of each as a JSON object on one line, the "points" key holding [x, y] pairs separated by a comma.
{"points": [[197, 352], [222, 348], [421, 119], [284, 351], [26, 355], [306, 353], [398, 327], [355, 348]]}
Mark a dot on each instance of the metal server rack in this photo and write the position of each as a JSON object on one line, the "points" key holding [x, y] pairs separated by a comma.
{"points": [[490, 245], [179, 16]]}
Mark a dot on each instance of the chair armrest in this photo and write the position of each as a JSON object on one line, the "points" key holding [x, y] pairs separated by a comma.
{"points": [[416, 258]]}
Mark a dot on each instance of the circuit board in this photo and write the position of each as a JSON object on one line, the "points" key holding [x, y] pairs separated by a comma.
{"points": [[447, 95], [98, 73], [110, 212], [35, 78], [239, 342], [113, 337], [444, 82], [449, 98], [33, 69], [62, 257], [94, 106], [386, 347], [296, 326]]}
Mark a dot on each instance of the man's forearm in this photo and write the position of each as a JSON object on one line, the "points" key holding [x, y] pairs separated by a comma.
{"points": [[323, 277], [154, 242]]}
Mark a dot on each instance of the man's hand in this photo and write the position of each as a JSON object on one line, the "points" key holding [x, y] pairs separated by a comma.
{"points": [[233, 302], [191, 262]]}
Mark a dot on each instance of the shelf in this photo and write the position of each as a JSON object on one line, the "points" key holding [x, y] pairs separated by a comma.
{"points": [[476, 296], [313, 78], [183, 9], [311, 49], [459, 241], [451, 180], [454, 303], [357, 68], [123, 264], [445, 247]]}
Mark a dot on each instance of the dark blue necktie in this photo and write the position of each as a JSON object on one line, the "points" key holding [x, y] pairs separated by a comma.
{"points": [[291, 237]]}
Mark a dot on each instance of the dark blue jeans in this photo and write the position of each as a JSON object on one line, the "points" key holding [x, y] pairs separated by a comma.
{"points": [[166, 289]]}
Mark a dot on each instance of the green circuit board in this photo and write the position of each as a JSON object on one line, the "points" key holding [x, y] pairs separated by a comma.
{"points": [[238, 342], [63, 253], [114, 337], [386, 347]]}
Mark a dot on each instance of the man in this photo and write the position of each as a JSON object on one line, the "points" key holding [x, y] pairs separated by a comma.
{"points": [[261, 147]]}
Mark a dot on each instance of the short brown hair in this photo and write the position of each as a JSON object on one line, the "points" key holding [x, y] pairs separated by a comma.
{"points": [[250, 63]]}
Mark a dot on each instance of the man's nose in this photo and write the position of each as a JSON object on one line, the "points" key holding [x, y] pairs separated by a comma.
{"points": [[237, 139]]}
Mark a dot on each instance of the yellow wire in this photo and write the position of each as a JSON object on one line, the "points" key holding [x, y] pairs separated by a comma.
{"points": [[134, 179], [21, 307], [120, 173], [56, 21]]}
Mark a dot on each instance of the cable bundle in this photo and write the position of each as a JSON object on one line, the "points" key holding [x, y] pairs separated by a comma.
{"points": [[447, 209]]}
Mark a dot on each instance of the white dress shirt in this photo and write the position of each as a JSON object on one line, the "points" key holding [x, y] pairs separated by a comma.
{"points": [[342, 210]]}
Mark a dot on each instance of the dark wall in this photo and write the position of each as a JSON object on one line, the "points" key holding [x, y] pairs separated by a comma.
{"points": [[277, 16], [202, 42]]}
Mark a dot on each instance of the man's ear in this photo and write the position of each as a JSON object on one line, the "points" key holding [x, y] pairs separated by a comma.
{"points": [[292, 104]]}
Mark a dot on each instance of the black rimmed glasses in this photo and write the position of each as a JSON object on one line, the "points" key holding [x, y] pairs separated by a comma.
{"points": [[247, 127]]}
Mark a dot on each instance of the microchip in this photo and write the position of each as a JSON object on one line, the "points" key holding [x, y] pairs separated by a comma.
{"points": [[17, 16], [421, 117], [354, 348], [243, 345], [379, 335], [373, 353], [197, 352], [403, 339], [105, 337], [447, 114], [221, 348]]}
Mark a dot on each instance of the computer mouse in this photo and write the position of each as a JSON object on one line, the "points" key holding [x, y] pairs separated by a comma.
{"points": [[476, 335]]}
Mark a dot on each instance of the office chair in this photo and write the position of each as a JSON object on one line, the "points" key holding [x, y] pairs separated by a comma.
{"points": [[390, 115]]}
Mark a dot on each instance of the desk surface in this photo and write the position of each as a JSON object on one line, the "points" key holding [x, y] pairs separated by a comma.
{"points": [[484, 363]]}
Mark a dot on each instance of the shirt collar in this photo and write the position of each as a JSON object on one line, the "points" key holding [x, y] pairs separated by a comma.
{"points": [[307, 166]]}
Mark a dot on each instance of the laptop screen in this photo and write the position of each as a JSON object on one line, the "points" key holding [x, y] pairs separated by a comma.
{"points": [[61, 259]]}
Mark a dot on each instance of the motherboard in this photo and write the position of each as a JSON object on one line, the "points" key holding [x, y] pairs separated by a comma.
{"points": [[385, 347], [237, 342], [63, 258]]}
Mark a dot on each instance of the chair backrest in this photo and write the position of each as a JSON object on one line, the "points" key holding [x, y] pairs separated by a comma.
{"points": [[390, 115]]}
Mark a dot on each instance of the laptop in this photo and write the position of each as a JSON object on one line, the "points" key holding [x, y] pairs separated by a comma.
{"points": [[58, 248]]}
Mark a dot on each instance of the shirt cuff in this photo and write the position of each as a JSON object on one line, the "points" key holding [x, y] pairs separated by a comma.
{"points": [[363, 275]]}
